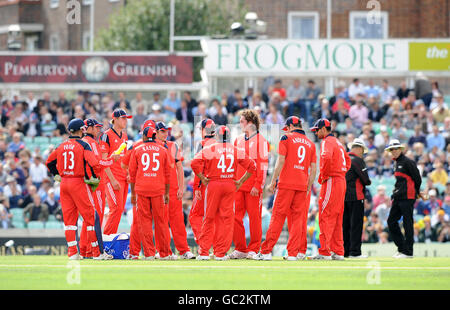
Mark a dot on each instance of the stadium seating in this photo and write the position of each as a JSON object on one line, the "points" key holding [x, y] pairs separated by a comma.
{"points": [[54, 225], [35, 225], [17, 213]]}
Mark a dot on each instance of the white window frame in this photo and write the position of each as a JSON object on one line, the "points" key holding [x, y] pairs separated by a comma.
{"points": [[114, 1], [358, 14], [314, 14], [87, 2], [50, 44], [86, 40], [54, 4]]}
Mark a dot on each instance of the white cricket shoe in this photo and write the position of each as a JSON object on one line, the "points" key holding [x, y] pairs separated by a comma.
{"points": [[301, 256], [169, 257], [320, 257], [250, 254], [103, 256], [149, 258], [261, 256], [396, 254], [358, 256], [334, 256], [401, 256], [187, 255], [292, 258], [157, 256], [132, 257], [76, 257], [221, 258], [237, 255], [200, 257]]}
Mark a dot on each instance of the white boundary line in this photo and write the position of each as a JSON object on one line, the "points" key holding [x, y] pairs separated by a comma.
{"points": [[229, 267]]}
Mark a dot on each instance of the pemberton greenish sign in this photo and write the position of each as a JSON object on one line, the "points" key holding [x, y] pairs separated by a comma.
{"points": [[429, 56], [316, 56]]}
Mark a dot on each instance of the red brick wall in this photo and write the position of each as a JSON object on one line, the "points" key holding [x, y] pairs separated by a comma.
{"points": [[407, 18]]}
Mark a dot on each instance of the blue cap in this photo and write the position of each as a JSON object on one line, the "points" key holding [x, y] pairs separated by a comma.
{"points": [[162, 126], [92, 122], [291, 120], [75, 125], [323, 122], [120, 113]]}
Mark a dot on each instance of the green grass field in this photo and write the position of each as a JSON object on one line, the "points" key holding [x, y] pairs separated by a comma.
{"points": [[56, 272]]}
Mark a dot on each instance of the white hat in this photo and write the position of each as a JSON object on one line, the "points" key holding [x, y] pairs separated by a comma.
{"points": [[432, 192], [156, 106], [10, 178], [358, 142], [394, 144]]}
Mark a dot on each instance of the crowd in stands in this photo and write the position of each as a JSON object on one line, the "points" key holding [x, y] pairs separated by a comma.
{"points": [[31, 126]]}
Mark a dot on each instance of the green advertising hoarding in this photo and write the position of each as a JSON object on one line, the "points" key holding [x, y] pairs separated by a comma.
{"points": [[429, 56]]}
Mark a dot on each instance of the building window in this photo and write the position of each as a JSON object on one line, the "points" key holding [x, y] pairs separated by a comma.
{"points": [[87, 2], [303, 25], [53, 43], [54, 4], [366, 26], [31, 42], [86, 40]]}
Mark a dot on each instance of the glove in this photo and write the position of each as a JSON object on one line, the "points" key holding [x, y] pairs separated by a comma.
{"points": [[93, 183], [57, 178]]}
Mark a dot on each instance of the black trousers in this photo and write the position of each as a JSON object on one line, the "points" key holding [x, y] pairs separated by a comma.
{"points": [[352, 222], [402, 208]]}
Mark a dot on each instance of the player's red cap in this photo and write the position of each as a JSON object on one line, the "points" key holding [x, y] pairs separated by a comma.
{"points": [[148, 123]]}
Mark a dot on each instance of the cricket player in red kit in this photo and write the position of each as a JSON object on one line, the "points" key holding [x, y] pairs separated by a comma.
{"points": [[249, 196], [334, 164], [216, 166], [91, 134], [135, 237], [68, 161], [175, 207], [149, 170], [197, 211], [296, 169], [115, 182]]}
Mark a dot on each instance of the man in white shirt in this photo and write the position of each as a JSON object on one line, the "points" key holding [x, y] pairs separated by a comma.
{"points": [[38, 171], [355, 89], [387, 92]]}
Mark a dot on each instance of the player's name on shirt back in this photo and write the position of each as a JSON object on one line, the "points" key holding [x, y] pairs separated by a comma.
{"points": [[301, 140]]}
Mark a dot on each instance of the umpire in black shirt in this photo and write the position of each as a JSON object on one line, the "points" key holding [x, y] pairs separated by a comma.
{"points": [[353, 218], [406, 191]]}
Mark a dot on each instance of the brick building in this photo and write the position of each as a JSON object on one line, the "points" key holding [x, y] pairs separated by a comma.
{"points": [[43, 23], [44, 26], [399, 18]]}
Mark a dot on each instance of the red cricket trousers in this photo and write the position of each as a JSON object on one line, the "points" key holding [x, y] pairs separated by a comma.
{"points": [[176, 223], [287, 203], [99, 202], [252, 205], [135, 237], [116, 203], [303, 239], [331, 210], [76, 198], [197, 213], [151, 209], [217, 228]]}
